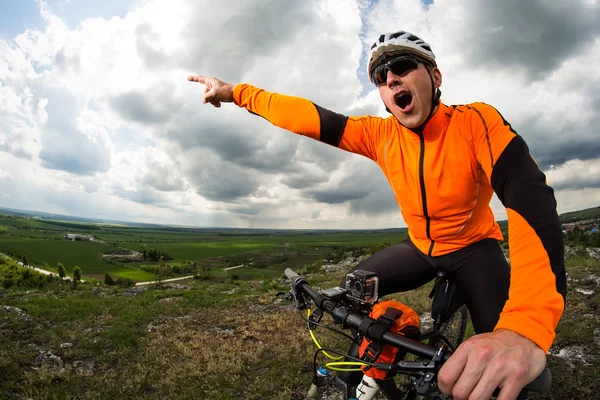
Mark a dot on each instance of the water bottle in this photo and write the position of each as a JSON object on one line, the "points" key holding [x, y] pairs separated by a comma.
{"points": [[320, 382], [367, 389]]}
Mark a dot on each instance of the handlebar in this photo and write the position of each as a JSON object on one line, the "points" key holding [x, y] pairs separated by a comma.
{"points": [[349, 319]]}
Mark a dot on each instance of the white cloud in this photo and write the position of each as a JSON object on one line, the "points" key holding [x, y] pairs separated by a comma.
{"points": [[99, 120]]}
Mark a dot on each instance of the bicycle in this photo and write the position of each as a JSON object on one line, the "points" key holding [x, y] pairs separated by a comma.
{"points": [[350, 308]]}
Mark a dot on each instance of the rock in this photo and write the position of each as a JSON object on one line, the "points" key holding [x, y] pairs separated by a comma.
{"points": [[426, 322], [177, 286], [220, 331], [135, 291], [22, 315], [65, 345], [593, 252], [573, 355], [597, 336], [570, 252], [83, 368], [47, 356], [95, 329], [169, 300]]}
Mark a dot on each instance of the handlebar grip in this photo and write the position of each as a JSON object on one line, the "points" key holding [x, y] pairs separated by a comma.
{"points": [[542, 383], [291, 274]]}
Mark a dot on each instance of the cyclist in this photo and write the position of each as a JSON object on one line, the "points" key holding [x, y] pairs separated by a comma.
{"points": [[444, 163]]}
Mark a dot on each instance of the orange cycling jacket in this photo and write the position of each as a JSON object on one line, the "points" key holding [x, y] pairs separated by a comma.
{"points": [[443, 178]]}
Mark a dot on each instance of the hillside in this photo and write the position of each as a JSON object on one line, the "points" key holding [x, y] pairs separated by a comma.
{"points": [[588, 213], [219, 340]]}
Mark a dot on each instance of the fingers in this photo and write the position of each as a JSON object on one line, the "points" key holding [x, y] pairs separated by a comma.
{"points": [[197, 78], [451, 371], [215, 90]]}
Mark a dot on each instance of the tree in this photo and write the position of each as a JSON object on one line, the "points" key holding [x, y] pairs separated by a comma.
{"points": [[161, 268], [108, 280], [144, 251], [61, 271], [76, 275], [25, 261]]}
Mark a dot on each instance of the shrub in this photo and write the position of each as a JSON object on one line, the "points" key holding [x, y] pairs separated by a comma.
{"points": [[7, 283], [124, 282], [76, 275], [61, 271], [108, 280]]}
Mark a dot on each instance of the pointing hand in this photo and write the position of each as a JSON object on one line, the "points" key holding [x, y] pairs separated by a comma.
{"points": [[215, 91]]}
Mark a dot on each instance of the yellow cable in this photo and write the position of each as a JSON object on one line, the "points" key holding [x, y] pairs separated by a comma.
{"points": [[332, 366], [318, 345]]}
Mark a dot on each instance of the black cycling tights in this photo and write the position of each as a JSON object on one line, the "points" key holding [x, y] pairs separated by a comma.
{"points": [[480, 273]]}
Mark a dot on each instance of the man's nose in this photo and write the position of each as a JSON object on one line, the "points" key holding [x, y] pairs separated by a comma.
{"points": [[392, 78]]}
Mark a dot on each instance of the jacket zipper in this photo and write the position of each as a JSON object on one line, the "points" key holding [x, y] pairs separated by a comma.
{"points": [[423, 193]]}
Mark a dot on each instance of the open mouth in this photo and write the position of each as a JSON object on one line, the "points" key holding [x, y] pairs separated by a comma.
{"points": [[403, 100]]}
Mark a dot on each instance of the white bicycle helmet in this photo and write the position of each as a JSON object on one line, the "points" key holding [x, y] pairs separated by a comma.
{"points": [[399, 42]]}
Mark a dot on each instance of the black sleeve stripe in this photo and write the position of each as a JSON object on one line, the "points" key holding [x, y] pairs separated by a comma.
{"points": [[332, 125], [521, 186], [487, 134]]}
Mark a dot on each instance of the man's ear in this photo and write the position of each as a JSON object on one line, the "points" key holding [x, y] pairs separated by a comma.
{"points": [[437, 77]]}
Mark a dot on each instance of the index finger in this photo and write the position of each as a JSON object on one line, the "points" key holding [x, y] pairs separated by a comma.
{"points": [[197, 78]]}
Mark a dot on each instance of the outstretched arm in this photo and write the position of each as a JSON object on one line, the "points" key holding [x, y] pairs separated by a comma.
{"points": [[360, 135]]}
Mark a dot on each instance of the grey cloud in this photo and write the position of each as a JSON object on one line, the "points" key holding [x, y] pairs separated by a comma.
{"points": [[72, 151], [142, 196], [552, 147], [245, 145], [246, 30], [229, 141], [581, 182], [249, 210], [64, 147], [16, 151], [12, 131], [221, 181], [379, 201], [65, 62], [163, 177], [327, 157], [552, 152], [536, 35], [303, 179], [146, 40], [364, 188], [141, 107]]}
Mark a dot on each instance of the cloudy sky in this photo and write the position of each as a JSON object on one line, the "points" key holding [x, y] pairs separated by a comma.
{"points": [[97, 118]]}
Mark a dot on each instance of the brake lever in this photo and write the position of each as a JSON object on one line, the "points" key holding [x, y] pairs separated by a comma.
{"points": [[299, 299], [427, 385]]}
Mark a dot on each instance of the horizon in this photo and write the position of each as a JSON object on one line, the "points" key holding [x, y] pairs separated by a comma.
{"points": [[98, 118]]}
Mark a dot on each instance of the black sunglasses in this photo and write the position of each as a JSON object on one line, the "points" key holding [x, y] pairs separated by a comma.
{"points": [[398, 65]]}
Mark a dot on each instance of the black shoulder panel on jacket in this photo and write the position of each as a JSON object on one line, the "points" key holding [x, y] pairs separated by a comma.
{"points": [[521, 186], [332, 125]]}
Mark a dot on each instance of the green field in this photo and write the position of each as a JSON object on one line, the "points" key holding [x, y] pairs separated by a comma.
{"points": [[266, 253], [87, 255]]}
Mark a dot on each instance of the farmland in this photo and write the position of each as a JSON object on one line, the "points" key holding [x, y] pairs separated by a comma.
{"points": [[263, 252]]}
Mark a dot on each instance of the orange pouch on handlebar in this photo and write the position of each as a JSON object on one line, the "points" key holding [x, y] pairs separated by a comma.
{"points": [[387, 315]]}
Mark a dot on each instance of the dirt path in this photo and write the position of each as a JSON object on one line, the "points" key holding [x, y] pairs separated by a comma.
{"points": [[230, 268], [165, 280]]}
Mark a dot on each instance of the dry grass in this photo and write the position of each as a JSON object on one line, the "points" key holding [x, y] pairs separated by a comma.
{"points": [[216, 341]]}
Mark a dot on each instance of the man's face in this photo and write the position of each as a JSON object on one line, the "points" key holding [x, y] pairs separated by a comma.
{"points": [[408, 95]]}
